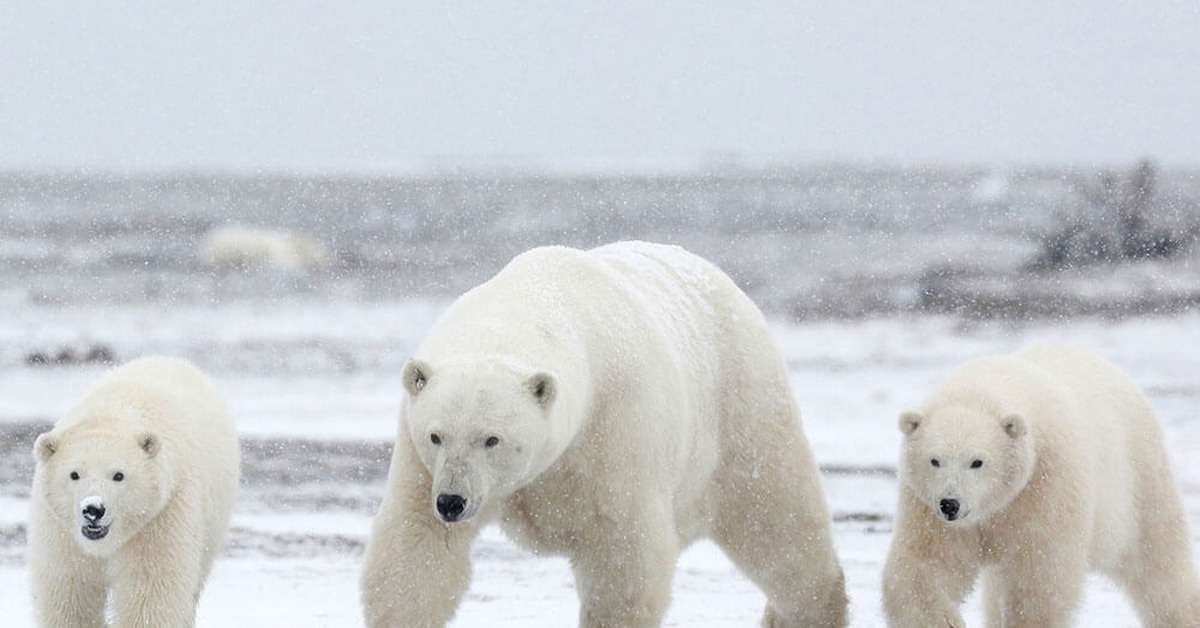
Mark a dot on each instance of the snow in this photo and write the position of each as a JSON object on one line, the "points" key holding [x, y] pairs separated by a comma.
{"points": [[296, 563]]}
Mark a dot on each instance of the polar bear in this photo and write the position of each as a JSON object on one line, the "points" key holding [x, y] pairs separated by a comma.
{"points": [[1033, 468], [249, 247], [131, 499], [612, 406]]}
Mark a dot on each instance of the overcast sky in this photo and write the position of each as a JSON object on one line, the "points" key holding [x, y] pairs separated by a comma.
{"points": [[408, 86]]}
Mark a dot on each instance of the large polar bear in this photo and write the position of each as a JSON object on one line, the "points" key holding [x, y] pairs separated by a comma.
{"points": [[1033, 468], [131, 499], [611, 405]]}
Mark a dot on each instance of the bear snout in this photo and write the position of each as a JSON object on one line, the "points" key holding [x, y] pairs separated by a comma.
{"points": [[451, 507], [92, 509], [949, 508]]}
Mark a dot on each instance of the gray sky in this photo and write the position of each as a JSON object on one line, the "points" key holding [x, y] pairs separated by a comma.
{"points": [[408, 86]]}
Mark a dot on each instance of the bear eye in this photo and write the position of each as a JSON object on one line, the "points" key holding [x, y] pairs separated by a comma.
{"points": [[935, 462], [435, 439], [492, 441], [118, 476], [975, 464], [74, 475]]}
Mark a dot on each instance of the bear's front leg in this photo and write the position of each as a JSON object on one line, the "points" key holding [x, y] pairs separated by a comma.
{"points": [[1041, 588], [417, 567], [930, 569], [919, 601], [922, 590], [156, 585], [68, 596], [67, 586], [624, 577], [72, 600]]}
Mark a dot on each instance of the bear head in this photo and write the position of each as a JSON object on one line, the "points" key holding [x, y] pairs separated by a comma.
{"points": [[964, 463], [483, 427], [102, 485]]}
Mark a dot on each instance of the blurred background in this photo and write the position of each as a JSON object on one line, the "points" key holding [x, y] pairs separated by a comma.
{"points": [[289, 193], [1030, 159]]}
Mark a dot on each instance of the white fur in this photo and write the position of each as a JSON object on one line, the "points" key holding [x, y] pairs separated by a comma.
{"points": [[160, 424], [638, 403], [1073, 476], [276, 248]]}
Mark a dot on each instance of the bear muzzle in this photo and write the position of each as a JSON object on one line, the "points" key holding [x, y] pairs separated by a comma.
{"points": [[92, 510], [952, 510], [452, 508]]}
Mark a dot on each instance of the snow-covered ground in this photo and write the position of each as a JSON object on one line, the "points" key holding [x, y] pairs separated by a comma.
{"points": [[323, 377]]}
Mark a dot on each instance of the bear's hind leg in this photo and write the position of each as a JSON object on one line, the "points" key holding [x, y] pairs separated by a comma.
{"points": [[802, 589], [1161, 582], [773, 524]]}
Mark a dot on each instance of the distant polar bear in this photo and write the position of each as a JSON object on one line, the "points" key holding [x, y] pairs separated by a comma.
{"points": [[1034, 468], [131, 499], [246, 247], [612, 405]]}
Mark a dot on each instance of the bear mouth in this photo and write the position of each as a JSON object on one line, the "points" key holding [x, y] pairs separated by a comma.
{"points": [[955, 518], [94, 532]]}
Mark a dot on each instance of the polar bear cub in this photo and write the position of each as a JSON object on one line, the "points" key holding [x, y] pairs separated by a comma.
{"points": [[612, 406], [1032, 469], [131, 499]]}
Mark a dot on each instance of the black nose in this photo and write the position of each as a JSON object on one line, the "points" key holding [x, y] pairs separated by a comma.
{"points": [[93, 512], [949, 508], [451, 507]]}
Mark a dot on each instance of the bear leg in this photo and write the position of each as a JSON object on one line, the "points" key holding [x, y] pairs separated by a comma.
{"points": [[417, 568], [993, 598], [1161, 581], [156, 588], [67, 586], [926, 577], [624, 580], [68, 598], [802, 580], [1041, 592], [771, 522], [920, 598], [1163, 604]]}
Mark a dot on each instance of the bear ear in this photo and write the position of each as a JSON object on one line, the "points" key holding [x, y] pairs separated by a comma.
{"points": [[416, 376], [45, 446], [1014, 425], [910, 421], [149, 444], [543, 387]]}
